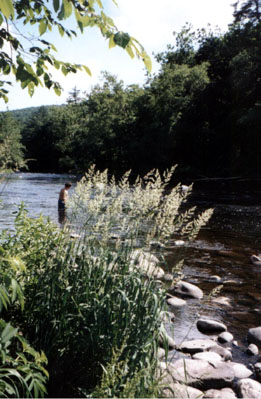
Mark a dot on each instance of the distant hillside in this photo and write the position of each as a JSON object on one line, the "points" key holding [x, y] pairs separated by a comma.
{"points": [[24, 114]]}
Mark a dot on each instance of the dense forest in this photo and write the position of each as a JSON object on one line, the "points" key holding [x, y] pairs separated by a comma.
{"points": [[202, 111]]}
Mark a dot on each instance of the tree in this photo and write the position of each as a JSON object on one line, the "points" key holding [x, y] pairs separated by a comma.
{"points": [[31, 66], [249, 11], [11, 149]]}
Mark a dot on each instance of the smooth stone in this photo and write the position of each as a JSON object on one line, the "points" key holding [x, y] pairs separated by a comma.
{"points": [[257, 368], [223, 352], [210, 326], [187, 289], [222, 300], [240, 370], [216, 279], [179, 243], [210, 357], [225, 393], [197, 345], [248, 388], [160, 353], [201, 374], [181, 391], [252, 350], [256, 260], [254, 335], [225, 337], [176, 302]]}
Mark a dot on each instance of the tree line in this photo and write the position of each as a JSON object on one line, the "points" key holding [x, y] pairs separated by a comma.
{"points": [[200, 111]]}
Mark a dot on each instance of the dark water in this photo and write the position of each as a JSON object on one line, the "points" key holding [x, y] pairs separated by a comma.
{"points": [[223, 248]]}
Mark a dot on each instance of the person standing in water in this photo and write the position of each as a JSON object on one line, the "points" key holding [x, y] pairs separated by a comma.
{"points": [[63, 197]]}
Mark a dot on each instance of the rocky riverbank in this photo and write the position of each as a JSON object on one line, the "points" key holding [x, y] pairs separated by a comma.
{"points": [[205, 367]]}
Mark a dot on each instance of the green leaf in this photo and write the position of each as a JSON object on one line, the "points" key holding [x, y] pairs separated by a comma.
{"points": [[112, 42], [8, 333], [61, 30], [99, 3], [42, 27], [87, 70], [122, 39], [130, 51], [57, 91], [67, 8], [7, 8], [56, 5], [147, 62]]}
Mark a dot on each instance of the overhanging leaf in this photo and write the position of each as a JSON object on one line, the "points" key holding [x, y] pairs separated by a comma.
{"points": [[122, 39], [7, 8]]}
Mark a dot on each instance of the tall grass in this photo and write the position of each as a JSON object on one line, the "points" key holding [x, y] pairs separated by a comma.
{"points": [[86, 303]]}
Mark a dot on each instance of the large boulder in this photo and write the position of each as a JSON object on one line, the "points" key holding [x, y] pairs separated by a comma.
{"points": [[181, 391], [210, 357], [197, 345], [210, 326], [248, 388], [225, 393], [254, 335], [187, 289], [223, 352], [176, 302], [201, 374]]}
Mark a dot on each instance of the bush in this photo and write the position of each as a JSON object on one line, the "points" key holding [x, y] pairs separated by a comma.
{"points": [[86, 301]]}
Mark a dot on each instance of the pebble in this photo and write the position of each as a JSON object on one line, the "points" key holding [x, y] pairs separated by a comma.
{"points": [[254, 335], [210, 326], [252, 350], [225, 337]]}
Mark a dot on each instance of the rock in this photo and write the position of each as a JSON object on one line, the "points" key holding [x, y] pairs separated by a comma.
{"points": [[197, 345], [156, 244], [201, 374], [225, 337], [147, 263], [225, 393], [240, 370], [176, 302], [254, 335], [223, 352], [187, 289], [256, 260], [248, 388], [210, 357], [216, 279], [257, 368], [252, 350], [179, 243], [161, 353], [210, 326], [222, 300], [181, 391]]}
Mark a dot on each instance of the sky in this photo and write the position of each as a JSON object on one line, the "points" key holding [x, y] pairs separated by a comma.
{"points": [[152, 22]]}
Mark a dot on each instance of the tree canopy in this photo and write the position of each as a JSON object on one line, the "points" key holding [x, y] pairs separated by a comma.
{"points": [[30, 64]]}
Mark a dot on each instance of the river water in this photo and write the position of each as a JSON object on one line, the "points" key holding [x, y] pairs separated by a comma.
{"points": [[222, 248]]}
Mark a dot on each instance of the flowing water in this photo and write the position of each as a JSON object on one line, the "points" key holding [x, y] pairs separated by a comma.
{"points": [[222, 248]]}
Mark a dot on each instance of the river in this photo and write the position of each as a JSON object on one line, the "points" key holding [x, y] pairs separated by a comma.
{"points": [[222, 248]]}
